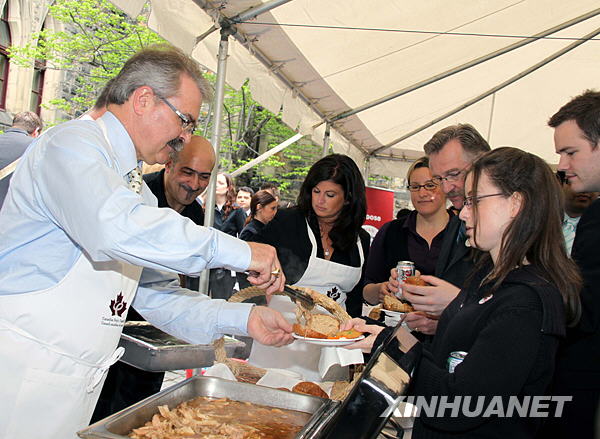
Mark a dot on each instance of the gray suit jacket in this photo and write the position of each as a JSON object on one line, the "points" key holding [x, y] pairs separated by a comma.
{"points": [[13, 144]]}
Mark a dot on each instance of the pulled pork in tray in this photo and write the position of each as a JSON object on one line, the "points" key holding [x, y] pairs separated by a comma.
{"points": [[222, 418]]}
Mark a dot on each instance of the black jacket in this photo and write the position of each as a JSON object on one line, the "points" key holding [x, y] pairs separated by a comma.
{"points": [[288, 234], [579, 358], [235, 222], [455, 261], [510, 339]]}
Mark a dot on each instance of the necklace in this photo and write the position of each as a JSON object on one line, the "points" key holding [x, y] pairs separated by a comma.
{"points": [[325, 242]]}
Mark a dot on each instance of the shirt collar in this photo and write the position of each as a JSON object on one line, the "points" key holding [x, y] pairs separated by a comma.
{"points": [[121, 143], [16, 130], [568, 219]]}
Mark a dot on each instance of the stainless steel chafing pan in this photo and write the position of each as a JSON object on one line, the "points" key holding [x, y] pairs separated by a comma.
{"points": [[120, 424], [153, 350]]}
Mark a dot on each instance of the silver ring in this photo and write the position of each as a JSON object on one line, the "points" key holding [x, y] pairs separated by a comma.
{"points": [[416, 329]]}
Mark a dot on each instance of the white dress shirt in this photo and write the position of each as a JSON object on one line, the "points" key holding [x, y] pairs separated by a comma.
{"points": [[65, 199], [569, 227]]}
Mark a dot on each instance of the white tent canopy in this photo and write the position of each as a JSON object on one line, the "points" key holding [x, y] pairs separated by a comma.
{"points": [[318, 59]]}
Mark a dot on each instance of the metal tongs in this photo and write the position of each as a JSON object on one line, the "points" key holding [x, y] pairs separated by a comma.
{"points": [[297, 295], [292, 293]]}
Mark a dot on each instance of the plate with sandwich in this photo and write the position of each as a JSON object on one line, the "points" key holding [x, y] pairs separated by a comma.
{"points": [[324, 330], [393, 307]]}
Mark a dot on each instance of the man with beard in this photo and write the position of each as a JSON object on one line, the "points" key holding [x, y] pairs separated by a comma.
{"points": [[184, 177], [82, 239], [575, 204]]}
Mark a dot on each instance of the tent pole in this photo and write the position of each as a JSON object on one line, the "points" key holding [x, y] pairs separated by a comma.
{"points": [[266, 155], [492, 108], [367, 170], [326, 140], [465, 66], [209, 204], [488, 92]]}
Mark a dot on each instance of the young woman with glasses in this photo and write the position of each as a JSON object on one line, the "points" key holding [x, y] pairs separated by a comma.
{"points": [[498, 340], [417, 237]]}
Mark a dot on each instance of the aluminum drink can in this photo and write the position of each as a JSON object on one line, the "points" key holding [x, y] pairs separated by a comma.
{"points": [[455, 359], [405, 269]]}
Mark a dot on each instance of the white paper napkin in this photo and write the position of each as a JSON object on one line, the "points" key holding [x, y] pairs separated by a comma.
{"points": [[331, 356], [220, 370], [278, 378]]}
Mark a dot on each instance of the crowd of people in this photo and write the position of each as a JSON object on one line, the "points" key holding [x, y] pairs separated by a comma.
{"points": [[507, 247]]}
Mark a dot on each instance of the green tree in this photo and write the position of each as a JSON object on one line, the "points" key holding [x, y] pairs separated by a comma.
{"points": [[97, 40]]}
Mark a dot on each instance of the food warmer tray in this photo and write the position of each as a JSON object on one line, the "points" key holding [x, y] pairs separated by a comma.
{"points": [[153, 350], [365, 413], [120, 424]]}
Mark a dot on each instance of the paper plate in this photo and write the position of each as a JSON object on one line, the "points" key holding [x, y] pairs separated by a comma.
{"points": [[396, 314], [328, 341]]}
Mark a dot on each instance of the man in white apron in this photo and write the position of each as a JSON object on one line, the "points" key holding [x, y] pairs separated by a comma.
{"points": [[76, 229]]}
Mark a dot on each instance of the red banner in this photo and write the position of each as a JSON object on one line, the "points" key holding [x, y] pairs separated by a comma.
{"points": [[380, 208]]}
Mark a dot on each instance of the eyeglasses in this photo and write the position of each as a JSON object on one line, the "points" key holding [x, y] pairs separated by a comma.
{"points": [[469, 201], [429, 186], [451, 176], [187, 123]]}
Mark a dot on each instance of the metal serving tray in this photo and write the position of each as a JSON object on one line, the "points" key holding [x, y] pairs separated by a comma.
{"points": [[153, 350], [120, 424]]}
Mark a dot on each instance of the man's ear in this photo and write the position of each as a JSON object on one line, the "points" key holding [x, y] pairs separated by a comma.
{"points": [[168, 166], [142, 99], [35, 133]]}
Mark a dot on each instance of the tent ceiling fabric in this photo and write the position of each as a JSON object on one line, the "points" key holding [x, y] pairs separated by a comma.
{"points": [[340, 69]]}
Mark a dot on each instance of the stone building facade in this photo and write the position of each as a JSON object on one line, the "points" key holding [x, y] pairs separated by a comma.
{"points": [[25, 88]]}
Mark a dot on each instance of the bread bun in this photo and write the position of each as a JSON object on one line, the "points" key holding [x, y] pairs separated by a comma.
{"points": [[415, 280], [304, 331], [308, 388], [391, 303], [323, 323]]}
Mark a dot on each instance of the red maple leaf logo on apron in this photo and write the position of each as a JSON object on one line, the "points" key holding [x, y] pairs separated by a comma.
{"points": [[118, 306]]}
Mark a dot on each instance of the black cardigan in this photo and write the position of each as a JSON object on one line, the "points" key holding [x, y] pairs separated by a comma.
{"points": [[511, 341], [288, 234]]}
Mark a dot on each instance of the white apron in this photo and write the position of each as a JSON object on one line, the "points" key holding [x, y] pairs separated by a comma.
{"points": [[326, 277], [56, 346]]}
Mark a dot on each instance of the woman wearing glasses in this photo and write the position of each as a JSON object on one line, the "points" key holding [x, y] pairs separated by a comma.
{"points": [[497, 340], [416, 238]]}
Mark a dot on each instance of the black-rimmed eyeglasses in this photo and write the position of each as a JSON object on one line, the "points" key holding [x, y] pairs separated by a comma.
{"points": [[429, 186], [469, 201], [187, 123]]}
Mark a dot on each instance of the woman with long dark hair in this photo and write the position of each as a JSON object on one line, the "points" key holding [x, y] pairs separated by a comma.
{"points": [[498, 339], [321, 245]]}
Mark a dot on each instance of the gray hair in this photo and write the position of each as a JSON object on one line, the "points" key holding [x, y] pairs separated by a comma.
{"points": [[472, 142], [158, 67], [28, 121]]}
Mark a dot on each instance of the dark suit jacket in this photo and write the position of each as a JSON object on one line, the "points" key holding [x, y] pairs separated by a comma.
{"points": [[235, 222], [579, 358], [13, 144], [455, 261]]}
